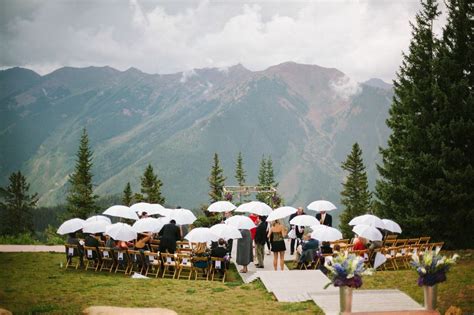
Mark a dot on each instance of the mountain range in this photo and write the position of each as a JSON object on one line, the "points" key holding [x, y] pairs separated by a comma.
{"points": [[305, 117]]}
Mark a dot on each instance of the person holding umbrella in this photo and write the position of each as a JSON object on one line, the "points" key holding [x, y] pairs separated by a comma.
{"points": [[299, 230], [260, 240]]}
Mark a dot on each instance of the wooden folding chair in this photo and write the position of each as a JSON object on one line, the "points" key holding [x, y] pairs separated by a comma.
{"points": [[390, 253], [92, 257], [219, 266], [136, 261], [182, 244], [71, 252], [424, 240], [122, 260], [155, 248], [437, 246], [107, 259], [184, 262], [152, 262], [413, 241], [401, 242], [200, 264], [168, 261], [389, 242]]}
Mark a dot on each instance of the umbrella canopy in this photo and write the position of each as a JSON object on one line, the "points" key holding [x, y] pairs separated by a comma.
{"points": [[255, 207], [221, 206], [321, 205], [121, 232], [201, 235], [156, 208], [281, 213], [93, 227], [182, 216], [368, 219], [392, 226], [325, 233], [71, 226], [121, 212], [304, 220], [99, 218], [148, 225], [368, 231], [226, 231], [241, 222]]}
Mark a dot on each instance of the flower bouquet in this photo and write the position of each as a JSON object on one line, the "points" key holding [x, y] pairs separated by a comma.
{"points": [[346, 271], [432, 267]]}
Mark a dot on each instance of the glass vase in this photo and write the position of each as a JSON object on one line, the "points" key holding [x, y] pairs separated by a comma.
{"points": [[430, 293], [345, 299]]}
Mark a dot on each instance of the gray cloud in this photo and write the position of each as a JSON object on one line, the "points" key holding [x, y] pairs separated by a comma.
{"points": [[361, 38]]}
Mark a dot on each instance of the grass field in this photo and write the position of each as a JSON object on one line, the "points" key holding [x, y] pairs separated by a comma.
{"points": [[34, 283]]}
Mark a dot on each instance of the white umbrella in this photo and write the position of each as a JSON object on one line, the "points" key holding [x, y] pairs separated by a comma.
{"points": [[241, 222], [226, 231], [148, 225], [182, 216], [321, 205], [156, 208], [255, 207], [368, 231], [99, 218], [392, 226], [93, 227], [281, 213], [221, 206], [325, 233], [304, 220], [201, 235], [71, 226], [121, 212], [368, 219], [121, 232]]}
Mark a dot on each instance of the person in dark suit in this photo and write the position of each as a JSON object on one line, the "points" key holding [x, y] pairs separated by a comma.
{"points": [[260, 240], [220, 250], [169, 234], [299, 230], [73, 240], [92, 241], [324, 218]]}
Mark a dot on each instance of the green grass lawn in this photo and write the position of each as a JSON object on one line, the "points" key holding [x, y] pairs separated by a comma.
{"points": [[34, 283]]}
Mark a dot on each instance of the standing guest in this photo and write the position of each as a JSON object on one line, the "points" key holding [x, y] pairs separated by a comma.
{"points": [[260, 240], [73, 240], [244, 250], [299, 230], [277, 235], [230, 242], [169, 235], [324, 218]]}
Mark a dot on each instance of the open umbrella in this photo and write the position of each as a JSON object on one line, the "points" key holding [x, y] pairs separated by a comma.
{"points": [[71, 226], [156, 208], [99, 218], [241, 222], [325, 233], [182, 216], [368, 219], [221, 206], [304, 220], [392, 226], [93, 227], [368, 231], [321, 205], [281, 213], [201, 235], [121, 212], [121, 232], [148, 225], [226, 231], [255, 207]]}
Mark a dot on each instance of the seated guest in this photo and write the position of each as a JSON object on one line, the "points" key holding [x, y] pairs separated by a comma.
{"points": [[109, 242], [73, 240], [336, 249], [201, 251], [309, 248], [92, 241], [326, 248], [143, 241], [360, 243]]}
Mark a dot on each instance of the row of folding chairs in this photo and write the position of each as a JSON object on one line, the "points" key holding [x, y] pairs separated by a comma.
{"points": [[148, 263]]}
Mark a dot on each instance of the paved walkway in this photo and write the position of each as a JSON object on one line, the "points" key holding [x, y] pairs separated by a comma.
{"points": [[31, 248]]}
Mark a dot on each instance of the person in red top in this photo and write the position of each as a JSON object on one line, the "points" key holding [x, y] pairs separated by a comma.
{"points": [[360, 243], [254, 218]]}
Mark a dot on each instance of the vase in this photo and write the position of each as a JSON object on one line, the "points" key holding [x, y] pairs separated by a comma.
{"points": [[430, 293], [345, 299]]}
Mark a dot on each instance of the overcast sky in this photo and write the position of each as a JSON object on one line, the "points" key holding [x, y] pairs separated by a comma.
{"points": [[363, 39]]}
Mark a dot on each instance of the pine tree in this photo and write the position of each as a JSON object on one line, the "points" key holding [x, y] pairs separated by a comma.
{"points": [[216, 180], [262, 179], [81, 199], [356, 196], [239, 170], [151, 186], [16, 206], [454, 128], [127, 198]]}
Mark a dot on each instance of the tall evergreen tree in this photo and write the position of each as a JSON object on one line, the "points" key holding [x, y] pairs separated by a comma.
{"points": [[356, 197], [151, 186], [81, 200], [262, 179], [216, 180], [239, 170], [16, 205], [127, 197]]}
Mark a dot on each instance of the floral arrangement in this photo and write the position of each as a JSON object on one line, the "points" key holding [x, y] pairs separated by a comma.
{"points": [[228, 196], [432, 267], [346, 270]]}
